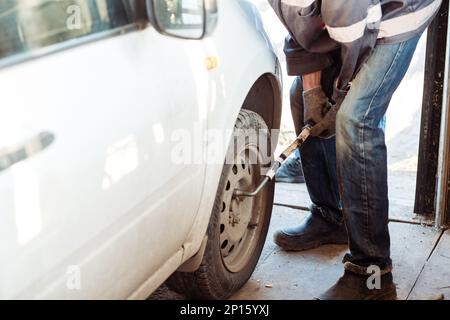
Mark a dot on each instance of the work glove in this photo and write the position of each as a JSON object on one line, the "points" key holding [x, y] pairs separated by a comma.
{"points": [[319, 114], [326, 128]]}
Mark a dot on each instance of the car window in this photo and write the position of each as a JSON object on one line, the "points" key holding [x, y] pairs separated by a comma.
{"points": [[26, 25]]}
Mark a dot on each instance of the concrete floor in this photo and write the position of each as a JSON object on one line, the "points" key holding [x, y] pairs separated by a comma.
{"points": [[292, 276], [421, 258]]}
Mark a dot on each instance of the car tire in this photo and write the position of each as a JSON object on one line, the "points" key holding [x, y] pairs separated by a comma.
{"points": [[224, 270]]}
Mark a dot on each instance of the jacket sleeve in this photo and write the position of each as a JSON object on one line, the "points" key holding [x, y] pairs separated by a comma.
{"points": [[305, 48], [300, 61], [303, 20], [354, 24]]}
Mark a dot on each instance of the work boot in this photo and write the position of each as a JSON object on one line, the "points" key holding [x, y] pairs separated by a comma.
{"points": [[353, 286], [312, 233]]}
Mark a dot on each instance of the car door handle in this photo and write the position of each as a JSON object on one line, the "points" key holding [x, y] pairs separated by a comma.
{"points": [[21, 151]]}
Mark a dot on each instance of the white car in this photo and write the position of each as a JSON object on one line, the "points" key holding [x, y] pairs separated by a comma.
{"points": [[116, 120]]}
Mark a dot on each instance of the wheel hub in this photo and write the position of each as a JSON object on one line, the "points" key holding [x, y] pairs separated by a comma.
{"points": [[238, 219]]}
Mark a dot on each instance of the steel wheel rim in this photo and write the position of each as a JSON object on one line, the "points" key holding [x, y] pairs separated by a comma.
{"points": [[241, 219]]}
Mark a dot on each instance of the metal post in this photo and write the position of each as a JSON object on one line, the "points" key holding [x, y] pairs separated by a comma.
{"points": [[427, 169], [443, 178]]}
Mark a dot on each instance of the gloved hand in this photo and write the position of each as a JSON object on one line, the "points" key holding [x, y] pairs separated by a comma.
{"points": [[319, 114], [326, 128]]}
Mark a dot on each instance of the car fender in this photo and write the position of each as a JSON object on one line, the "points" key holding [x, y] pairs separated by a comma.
{"points": [[231, 82], [213, 171]]}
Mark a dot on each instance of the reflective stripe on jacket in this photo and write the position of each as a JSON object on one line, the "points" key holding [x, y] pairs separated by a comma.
{"points": [[317, 27]]}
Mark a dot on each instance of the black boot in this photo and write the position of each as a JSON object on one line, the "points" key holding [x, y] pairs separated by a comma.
{"points": [[313, 232], [353, 286]]}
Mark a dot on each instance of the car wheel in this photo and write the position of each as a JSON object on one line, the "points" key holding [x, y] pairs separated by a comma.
{"points": [[238, 227]]}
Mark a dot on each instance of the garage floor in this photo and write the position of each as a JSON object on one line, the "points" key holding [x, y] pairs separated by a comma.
{"points": [[421, 256], [287, 276]]}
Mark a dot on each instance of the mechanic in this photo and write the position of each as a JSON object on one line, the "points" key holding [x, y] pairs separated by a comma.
{"points": [[350, 56]]}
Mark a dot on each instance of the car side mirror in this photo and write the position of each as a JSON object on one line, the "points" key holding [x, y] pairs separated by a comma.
{"points": [[187, 19]]}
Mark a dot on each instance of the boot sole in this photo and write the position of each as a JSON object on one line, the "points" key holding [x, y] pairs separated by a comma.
{"points": [[390, 295], [313, 245], [386, 296]]}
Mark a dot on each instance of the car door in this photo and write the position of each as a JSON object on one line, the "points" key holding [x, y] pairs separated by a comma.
{"points": [[93, 197]]}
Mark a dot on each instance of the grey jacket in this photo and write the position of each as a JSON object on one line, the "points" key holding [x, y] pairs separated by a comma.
{"points": [[319, 27]]}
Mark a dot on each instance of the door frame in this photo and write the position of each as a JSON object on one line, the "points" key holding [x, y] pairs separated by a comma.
{"points": [[433, 171]]}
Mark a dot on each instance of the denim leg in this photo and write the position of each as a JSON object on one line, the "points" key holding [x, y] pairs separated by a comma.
{"points": [[318, 157], [361, 152], [297, 154]]}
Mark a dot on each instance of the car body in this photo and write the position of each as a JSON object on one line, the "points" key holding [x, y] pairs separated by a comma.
{"points": [[96, 208]]}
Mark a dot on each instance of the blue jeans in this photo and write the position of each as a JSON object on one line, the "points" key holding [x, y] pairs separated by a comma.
{"points": [[346, 176]]}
